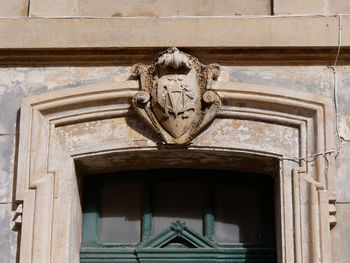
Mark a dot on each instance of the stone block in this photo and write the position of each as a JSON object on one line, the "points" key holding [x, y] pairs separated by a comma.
{"points": [[289, 7], [13, 8], [8, 240], [343, 174], [6, 167], [339, 7], [341, 235], [53, 7], [115, 32], [156, 8]]}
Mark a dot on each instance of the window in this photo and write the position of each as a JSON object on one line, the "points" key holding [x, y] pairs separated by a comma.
{"points": [[178, 216]]}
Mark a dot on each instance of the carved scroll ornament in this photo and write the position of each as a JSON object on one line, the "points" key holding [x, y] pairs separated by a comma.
{"points": [[176, 97]]}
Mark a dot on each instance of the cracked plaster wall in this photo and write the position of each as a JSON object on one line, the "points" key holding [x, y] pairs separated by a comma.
{"points": [[17, 83]]}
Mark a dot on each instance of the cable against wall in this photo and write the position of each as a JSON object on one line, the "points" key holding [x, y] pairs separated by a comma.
{"points": [[335, 88], [310, 158]]}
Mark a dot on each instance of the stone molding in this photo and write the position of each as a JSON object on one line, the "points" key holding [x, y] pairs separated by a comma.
{"points": [[71, 132], [233, 56]]}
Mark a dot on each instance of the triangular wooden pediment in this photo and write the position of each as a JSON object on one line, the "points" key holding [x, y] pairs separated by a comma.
{"points": [[178, 233]]}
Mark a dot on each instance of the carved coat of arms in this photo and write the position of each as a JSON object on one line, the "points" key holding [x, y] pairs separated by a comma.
{"points": [[176, 97]]}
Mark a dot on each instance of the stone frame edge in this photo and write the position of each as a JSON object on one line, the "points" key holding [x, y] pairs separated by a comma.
{"points": [[34, 175]]}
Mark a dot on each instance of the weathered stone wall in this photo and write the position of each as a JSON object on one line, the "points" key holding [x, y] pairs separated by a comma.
{"points": [[112, 30], [17, 83]]}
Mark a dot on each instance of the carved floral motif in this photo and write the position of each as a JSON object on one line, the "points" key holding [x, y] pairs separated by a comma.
{"points": [[176, 99]]}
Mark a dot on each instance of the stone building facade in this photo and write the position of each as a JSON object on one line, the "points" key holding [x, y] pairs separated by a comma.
{"points": [[273, 86]]}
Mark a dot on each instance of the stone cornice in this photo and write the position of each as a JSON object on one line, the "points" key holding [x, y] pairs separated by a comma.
{"points": [[288, 40], [233, 56]]}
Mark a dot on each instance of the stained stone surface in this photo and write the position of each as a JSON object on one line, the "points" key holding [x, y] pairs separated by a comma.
{"points": [[341, 234], [343, 174], [249, 136], [18, 83], [313, 79], [8, 238], [6, 167], [343, 87]]}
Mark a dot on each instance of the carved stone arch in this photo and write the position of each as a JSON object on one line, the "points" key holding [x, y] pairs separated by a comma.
{"points": [[84, 130]]}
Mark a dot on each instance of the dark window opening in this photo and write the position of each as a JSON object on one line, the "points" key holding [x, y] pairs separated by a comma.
{"points": [[233, 211]]}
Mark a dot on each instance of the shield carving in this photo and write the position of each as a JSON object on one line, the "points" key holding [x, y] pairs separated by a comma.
{"points": [[177, 103], [176, 98]]}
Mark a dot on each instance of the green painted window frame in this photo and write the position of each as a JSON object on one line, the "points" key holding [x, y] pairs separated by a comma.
{"points": [[264, 250]]}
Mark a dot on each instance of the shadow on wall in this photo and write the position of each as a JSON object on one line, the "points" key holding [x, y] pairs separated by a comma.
{"points": [[16, 205]]}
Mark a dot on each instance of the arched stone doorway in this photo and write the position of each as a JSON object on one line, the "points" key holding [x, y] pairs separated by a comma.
{"points": [[85, 130]]}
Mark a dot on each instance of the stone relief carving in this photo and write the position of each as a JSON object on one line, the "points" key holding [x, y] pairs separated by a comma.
{"points": [[176, 97], [45, 177]]}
